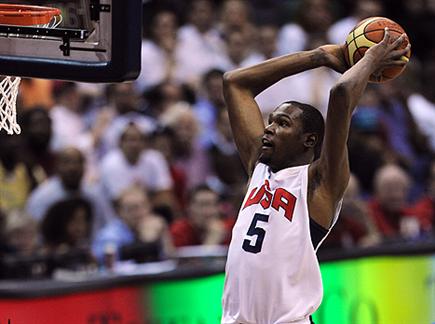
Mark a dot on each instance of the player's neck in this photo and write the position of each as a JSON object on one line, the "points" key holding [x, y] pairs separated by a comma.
{"points": [[299, 161]]}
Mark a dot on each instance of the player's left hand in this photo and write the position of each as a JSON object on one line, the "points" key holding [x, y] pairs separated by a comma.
{"points": [[334, 57]]}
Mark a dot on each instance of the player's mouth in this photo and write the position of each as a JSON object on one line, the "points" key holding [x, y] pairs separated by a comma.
{"points": [[267, 144]]}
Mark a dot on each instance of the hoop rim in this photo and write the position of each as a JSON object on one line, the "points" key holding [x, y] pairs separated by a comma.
{"points": [[26, 15]]}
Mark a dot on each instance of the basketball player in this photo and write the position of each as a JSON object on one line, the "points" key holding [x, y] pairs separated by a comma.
{"points": [[296, 183]]}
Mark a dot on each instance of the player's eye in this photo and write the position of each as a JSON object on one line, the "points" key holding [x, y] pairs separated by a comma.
{"points": [[283, 123]]}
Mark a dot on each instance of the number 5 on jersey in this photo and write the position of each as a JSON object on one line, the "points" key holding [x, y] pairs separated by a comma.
{"points": [[257, 233]]}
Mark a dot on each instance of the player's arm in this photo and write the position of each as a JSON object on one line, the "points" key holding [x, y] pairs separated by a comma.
{"points": [[330, 174], [241, 86]]}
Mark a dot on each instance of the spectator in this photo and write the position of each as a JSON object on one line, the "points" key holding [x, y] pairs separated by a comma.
{"points": [[236, 16], [3, 247], [23, 257], [133, 163], [124, 107], [21, 234], [163, 140], [230, 176], [368, 142], [422, 105], [209, 105], [161, 97], [338, 32], [66, 233], [425, 206], [389, 208], [417, 19], [313, 17], [35, 92], [37, 133], [159, 51], [135, 224], [267, 44], [67, 183], [239, 51], [15, 176], [67, 225], [200, 45], [408, 144], [203, 224], [354, 227], [68, 122], [189, 155]]}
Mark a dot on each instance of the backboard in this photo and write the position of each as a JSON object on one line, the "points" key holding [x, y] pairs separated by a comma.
{"points": [[97, 41]]}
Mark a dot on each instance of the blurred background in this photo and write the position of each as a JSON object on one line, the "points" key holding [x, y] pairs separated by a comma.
{"points": [[134, 172]]}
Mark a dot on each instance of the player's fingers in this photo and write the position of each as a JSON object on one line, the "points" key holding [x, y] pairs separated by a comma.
{"points": [[396, 54], [387, 36], [399, 62], [399, 41]]}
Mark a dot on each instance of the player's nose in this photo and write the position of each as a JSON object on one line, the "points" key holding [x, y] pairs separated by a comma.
{"points": [[270, 129]]}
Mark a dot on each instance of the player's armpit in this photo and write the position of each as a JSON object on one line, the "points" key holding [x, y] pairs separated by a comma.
{"points": [[322, 198]]}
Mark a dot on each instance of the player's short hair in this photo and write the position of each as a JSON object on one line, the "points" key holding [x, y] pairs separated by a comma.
{"points": [[312, 122]]}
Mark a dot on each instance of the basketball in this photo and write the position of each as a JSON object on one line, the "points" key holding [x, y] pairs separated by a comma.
{"points": [[369, 32]]}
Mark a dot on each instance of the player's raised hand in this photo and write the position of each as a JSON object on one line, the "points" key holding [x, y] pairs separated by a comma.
{"points": [[334, 57], [388, 53]]}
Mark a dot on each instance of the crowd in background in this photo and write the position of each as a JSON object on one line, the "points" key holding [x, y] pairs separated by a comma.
{"points": [[131, 171]]}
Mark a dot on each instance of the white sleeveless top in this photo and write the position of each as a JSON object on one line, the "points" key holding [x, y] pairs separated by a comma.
{"points": [[272, 272]]}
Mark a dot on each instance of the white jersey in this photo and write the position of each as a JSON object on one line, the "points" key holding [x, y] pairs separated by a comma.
{"points": [[272, 272]]}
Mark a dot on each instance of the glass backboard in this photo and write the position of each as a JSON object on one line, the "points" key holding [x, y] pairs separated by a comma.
{"points": [[96, 41]]}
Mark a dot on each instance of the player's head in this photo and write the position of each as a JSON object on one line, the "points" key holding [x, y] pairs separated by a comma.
{"points": [[293, 136]]}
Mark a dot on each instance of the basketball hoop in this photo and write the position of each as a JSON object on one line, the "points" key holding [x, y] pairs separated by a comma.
{"points": [[29, 16]]}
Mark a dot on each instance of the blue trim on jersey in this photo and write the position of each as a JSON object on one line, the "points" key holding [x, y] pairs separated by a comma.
{"points": [[318, 233]]}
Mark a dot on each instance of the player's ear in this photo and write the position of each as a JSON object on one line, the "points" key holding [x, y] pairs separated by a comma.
{"points": [[311, 139]]}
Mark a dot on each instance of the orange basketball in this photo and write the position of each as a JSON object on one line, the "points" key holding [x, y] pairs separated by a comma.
{"points": [[369, 32]]}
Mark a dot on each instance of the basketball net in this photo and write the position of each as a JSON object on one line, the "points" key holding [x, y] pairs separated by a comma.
{"points": [[8, 113], [10, 84]]}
